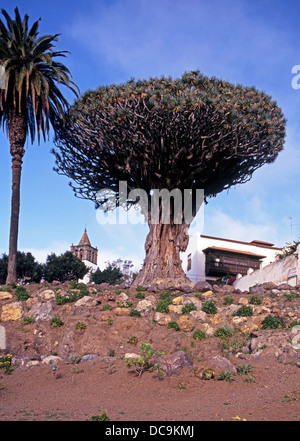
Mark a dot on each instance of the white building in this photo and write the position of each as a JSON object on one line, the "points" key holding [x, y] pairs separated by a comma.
{"points": [[211, 258]]}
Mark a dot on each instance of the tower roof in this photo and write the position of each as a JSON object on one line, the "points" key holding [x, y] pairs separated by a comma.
{"points": [[85, 239]]}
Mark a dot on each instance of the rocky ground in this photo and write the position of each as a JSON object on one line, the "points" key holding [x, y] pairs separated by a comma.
{"points": [[76, 352]]}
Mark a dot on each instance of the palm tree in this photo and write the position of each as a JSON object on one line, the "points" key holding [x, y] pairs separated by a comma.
{"points": [[31, 101]]}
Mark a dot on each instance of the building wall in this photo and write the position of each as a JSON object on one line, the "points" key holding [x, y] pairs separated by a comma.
{"points": [[284, 270], [92, 267], [197, 243]]}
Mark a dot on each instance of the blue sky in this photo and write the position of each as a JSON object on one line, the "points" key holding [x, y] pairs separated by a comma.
{"points": [[249, 42]]}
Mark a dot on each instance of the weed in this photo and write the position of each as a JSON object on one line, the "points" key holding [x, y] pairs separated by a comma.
{"points": [[80, 325], [133, 340], [271, 322], [134, 313], [223, 332], [21, 294], [26, 320], [244, 311], [106, 307], [56, 322], [163, 305], [188, 307], [228, 300], [243, 369], [140, 295], [103, 417], [5, 363], [255, 300], [291, 296], [208, 374], [199, 335], [226, 375], [209, 307], [173, 325]]}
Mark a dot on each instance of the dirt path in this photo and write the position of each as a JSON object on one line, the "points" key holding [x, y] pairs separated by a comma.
{"points": [[88, 389]]}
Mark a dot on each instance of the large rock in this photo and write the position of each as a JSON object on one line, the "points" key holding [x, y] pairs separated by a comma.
{"points": [[186, 323], [162, 318], [11, 311], [173, 364], [46, 294], [42, 310], [144, 307], [219, 363], [86, 301], [202, 286], [121, 311], [4, 295]]}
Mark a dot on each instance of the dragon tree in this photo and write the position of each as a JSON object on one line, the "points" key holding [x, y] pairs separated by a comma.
{"points": [[180, 134]]}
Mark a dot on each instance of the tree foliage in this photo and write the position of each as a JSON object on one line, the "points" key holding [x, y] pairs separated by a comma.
{"points": [[110, 274], [188, 133], [64, 267], [28, 270]]}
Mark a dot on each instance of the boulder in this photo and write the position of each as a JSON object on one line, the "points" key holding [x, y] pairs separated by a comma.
{"points": [[162, 318], [46, 294], [177, 300], [11, 311], [86, 301], [4, 295], [121, 311], [243, 301], [123, 297], [186, 323], [269, 285], [173, 364], [144, 307], [202, 286], [42, 310], [219, 363]]}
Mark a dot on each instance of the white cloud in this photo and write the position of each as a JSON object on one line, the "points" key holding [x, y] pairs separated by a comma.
{"points": [[40, 254]]}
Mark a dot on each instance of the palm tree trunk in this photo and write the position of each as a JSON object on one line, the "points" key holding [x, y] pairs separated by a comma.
{"points": [[17, 137]]}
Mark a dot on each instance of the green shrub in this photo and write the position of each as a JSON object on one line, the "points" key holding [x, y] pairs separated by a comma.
{"points": [[80, 325], [21, 294], [106, 307], [255, 300], [163, 305], [174, 325], [165, 295], [199, 335], [271, 322], [244, 311], [188, 307], [226, 375], [223, 332], [27, 320], [103, 417], [140, 295], [291, 296], [56, 322], [70, 297], [228, 300], [210, 307], [135, 313]]}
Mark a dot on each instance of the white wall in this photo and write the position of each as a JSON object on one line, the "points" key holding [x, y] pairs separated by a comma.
{"points": [[197, 243], [92, 267], [276, 272]]}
